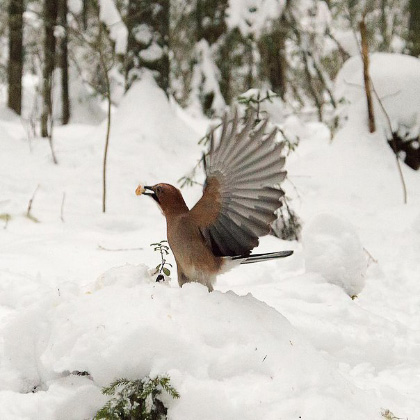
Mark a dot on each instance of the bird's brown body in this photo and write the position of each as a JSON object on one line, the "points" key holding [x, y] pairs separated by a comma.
{"points": [[194, 259], [237, 205]]}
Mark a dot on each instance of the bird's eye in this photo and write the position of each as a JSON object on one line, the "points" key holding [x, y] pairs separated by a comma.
{"points": [[158, 190]]}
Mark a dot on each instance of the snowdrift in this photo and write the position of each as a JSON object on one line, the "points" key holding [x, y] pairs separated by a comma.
{"points": [[229, 356], [149, 142]]}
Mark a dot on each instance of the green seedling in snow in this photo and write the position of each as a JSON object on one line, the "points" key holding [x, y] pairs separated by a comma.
{"points": [[162, 268], [136, 400]]}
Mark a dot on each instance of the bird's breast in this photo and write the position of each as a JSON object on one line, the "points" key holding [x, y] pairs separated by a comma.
{"points": [[189, 248]]}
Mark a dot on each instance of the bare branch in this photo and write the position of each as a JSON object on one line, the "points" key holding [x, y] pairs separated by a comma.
{"points": [[365, 59], [394, 145]]}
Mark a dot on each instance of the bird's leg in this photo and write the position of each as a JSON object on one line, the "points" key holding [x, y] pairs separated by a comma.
{"points": [[182, 279]]}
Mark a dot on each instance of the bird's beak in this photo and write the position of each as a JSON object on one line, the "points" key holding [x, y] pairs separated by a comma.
{"points": [[143, 190]]}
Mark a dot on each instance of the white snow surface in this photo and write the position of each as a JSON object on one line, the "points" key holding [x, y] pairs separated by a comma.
{"points": [[275, 340], [333, 249]]}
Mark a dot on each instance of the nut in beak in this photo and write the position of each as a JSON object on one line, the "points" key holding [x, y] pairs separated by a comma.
{"points": [[140, 190]]}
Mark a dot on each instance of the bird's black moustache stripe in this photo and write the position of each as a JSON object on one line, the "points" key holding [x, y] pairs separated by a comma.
{"points": [[151, 194]]}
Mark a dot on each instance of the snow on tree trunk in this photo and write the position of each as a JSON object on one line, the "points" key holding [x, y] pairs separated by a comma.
{"points": [[148, 40], [205, 90], [117, 30], [210, 28]]}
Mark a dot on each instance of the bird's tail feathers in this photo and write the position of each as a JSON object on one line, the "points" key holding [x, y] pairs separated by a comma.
{"points": [[261, 257]]}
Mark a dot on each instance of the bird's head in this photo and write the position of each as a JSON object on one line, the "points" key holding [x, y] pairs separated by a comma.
{"points": [[167, 196]]}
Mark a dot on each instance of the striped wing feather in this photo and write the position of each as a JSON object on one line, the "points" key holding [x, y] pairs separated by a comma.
{"points": [[241, 170]]}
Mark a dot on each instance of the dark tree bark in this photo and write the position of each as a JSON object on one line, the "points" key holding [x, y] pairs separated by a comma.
{"points": [[384, 45], [249, 58], [64, 64], [148, 40], [414, 28], [211, 22], [15, 64], [50, 20], [85, 12], [273, 60], [227, 61], [272, 47]]}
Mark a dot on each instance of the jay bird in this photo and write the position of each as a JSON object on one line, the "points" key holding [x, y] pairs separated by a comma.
{"points": [[237, 207]]}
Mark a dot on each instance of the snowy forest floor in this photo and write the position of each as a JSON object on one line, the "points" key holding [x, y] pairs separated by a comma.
{"points": [[274, 341]]}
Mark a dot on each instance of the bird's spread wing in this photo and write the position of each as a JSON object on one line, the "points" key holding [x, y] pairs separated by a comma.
{"points": [[239, 197]]}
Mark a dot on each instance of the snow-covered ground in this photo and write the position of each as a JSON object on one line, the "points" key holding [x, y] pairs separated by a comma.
{"points": [[276, 340]]}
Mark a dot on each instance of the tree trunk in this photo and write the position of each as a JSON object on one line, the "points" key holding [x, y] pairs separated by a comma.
{"points": [[148, 40], [414, 28], [368, 88], [273, 60], [85, 12], [226, 63], [50, 19], [15, 64], [64, 64], [384, 46], [249, 59]]}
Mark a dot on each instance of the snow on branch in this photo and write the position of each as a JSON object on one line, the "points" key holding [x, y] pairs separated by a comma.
{"points": [[252, 16], [109, 15]]}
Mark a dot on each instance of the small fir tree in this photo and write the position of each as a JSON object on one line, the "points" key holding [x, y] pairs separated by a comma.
{"points": [[136, 400]]}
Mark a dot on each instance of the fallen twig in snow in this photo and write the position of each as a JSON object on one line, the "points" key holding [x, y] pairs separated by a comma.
{"points": [[102, 248], [371, 257], [62, 207], [28, 211]]}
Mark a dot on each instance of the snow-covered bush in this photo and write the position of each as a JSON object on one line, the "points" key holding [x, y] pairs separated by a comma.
{"points": [[395, 79], [396, 89]]}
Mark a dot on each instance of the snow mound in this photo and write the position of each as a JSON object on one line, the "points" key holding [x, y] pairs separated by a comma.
{"points": [[149, 142], [250, 363], [396, 79], [333, 249], [8, 114], [149, 129]]}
